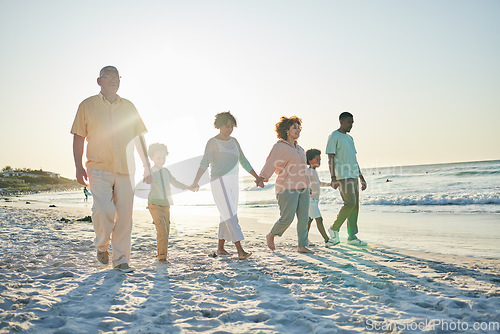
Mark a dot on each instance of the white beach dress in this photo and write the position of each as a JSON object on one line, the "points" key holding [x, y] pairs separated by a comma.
{"points": [[224, 157]]}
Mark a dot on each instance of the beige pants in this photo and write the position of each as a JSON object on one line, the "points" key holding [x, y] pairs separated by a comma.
{"points": [[113, 199], [161, 219]]}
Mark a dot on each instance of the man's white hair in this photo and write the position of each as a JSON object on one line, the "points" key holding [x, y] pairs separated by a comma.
{"points": [[107, 68]]}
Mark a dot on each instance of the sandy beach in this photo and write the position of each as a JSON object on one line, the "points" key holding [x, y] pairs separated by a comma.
{"points": [[50, 281]]}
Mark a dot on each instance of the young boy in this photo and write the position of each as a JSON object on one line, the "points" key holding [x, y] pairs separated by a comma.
{"points": [[160, 197], [314, 161]]}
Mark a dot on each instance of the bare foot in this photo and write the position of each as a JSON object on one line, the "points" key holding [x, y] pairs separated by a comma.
{"points": [[223, 252], [163, 261], [270, 242], [244, 256], [302, 249]]}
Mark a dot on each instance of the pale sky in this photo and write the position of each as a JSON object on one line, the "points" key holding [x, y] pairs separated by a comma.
{"points": [[422, 78]]}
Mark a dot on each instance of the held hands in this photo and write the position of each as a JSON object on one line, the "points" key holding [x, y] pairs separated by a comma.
{"points": [[186, 187], [335, 183], [81, 176], [194, 187], [259, 182]]}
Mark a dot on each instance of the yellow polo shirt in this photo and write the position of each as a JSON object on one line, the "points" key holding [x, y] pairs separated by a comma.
{"points": [[109, 129]]}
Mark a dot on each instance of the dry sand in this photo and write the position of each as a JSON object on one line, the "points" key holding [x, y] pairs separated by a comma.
{"points": [[50, 282]]}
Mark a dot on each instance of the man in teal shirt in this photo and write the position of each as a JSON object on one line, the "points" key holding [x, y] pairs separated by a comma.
{"points": [[344, 170]]}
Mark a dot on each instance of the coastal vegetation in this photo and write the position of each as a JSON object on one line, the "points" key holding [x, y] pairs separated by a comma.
{"points": [[14, 181]]}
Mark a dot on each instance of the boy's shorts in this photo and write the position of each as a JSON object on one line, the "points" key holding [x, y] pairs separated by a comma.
{"points": [[314, 209]]}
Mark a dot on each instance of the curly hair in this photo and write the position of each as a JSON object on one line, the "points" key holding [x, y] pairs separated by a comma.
{"points": [[157, 147], [311, 154], [284, 124], [222, 118]]}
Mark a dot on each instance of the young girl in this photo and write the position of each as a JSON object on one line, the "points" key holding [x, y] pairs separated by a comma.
{"points": [[314, 161]]}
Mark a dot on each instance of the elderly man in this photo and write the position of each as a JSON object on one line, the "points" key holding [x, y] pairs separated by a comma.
{"points": [[111, 126]]}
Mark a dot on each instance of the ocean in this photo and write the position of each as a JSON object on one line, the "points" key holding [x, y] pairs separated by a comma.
{"points": [[458, 188], [451, 208]]}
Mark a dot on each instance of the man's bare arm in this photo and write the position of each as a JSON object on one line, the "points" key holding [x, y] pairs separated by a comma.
{"points": [[78, 146], [331, 165], [140, 145], [362, 179]]}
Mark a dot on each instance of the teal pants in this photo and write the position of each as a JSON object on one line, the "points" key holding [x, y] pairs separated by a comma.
{"points": [[291, 203]]}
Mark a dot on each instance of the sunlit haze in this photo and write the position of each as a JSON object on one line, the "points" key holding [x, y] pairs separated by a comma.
{"points": [[422, 78]]}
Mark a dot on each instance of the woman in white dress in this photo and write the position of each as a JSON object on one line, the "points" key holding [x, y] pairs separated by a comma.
{"points": [[223, 154]]}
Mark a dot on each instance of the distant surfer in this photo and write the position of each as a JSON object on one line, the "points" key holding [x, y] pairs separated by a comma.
{"points": [[86, 193]]}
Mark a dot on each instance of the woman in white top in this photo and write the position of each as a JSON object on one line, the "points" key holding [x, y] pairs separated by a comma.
{"points": [[222, 154]]}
